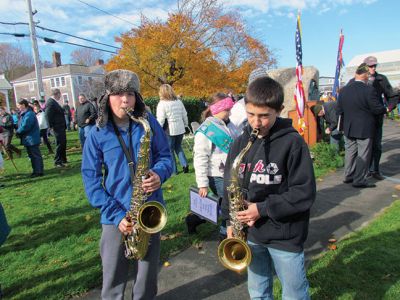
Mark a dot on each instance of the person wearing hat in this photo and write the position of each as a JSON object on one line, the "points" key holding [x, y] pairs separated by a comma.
{"points": [[106, 175], [382, 87], [327, 111], [359, 105]]}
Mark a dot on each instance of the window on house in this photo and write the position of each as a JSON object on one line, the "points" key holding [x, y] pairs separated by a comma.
{"points": [[57, 82], [52, 83], [65, 97], [80, 82], [31, 86], [62, 81]]}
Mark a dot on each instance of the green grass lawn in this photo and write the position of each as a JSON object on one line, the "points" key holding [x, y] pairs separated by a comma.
{"points": [[52, 251], [366, 265]]}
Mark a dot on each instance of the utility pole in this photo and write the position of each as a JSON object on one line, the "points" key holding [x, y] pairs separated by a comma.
{"points": [[35, 52]]}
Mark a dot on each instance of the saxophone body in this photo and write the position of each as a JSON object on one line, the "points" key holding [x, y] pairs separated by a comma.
{"points": [[234, 253], [147, 217]]}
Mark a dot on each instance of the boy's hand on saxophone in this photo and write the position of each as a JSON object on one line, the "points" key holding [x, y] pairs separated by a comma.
{"points": [[250, 215], [125, 226], [152, 182]]}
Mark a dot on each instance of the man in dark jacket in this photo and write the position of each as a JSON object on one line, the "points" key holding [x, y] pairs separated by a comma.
{"points": [[359, 105], [56, 119], [85, 116], [382, 87]]}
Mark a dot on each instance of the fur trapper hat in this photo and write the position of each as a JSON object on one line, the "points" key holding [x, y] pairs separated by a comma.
{"points": [[117, 82]]}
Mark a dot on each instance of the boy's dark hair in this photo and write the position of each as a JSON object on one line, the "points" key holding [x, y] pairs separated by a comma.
{"points": [[265, 91], [23, 102]]}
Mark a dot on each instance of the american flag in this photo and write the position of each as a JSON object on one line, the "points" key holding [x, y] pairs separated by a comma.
{"points": [[299, 97], [339, 65]]}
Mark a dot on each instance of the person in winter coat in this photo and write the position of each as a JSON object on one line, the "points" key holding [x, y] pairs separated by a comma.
{"points": [[55, 118], [172, 116], [43, 126], [7, 122], [212, 142], [276, 177], [85, 116], [106, 174], [28, 131]]}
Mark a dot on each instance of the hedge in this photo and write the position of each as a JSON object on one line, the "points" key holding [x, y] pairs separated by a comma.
{"points": [[194, 106]]}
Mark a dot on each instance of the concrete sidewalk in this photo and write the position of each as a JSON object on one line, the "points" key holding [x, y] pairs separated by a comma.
{"points": [[339, 209]]}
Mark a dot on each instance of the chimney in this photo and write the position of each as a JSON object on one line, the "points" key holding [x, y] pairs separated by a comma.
{"points": [[56, 59], [99, 62]]}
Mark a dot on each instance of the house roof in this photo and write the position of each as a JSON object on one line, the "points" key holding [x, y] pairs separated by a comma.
{"points": [[4, 84], [382, 57], [63, 70]]}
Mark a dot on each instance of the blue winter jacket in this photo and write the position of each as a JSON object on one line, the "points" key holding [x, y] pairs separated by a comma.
{"points": [[105, 170], [28, 129]]}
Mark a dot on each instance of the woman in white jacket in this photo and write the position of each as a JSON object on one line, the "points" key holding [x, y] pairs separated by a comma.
{"points": [[172, 116], [211, 146], [43, 126]]}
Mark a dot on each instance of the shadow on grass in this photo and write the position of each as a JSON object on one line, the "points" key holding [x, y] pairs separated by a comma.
{"points": [[365, 268], [69, 222], [55, 285]]}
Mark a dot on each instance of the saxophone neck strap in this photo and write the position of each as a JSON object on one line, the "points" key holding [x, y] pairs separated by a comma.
{"points": [[127, 151]]}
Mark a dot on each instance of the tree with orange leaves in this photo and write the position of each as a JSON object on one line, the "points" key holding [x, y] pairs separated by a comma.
{"points": [[199, 50]]}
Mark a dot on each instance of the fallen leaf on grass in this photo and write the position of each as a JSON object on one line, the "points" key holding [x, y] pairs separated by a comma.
{"points": [[320, 179], [387, 276], [394, 196], [332, 247], [88, 217], [171, 236], [332, 240]]}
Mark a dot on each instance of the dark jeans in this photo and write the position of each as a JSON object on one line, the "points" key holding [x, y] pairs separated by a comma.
{"points": [[376, 150], [43, 135], [61, 147], [175, 145], [36, 159], [216, 185]]}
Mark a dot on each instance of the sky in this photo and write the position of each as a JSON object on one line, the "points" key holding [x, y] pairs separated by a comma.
{"points": [[368, 25]]}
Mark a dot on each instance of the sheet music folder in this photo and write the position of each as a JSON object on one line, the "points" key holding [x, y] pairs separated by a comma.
{"points": [[206, 207]]}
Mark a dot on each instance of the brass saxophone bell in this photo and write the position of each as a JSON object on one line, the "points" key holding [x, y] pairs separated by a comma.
{"points": [[234, 254], [152, 217]]}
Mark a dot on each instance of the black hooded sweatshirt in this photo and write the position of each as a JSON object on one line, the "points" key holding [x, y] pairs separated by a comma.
{"points": [[276, 173]]}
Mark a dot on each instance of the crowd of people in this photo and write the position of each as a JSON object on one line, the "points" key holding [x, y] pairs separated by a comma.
{"points": [[275, 173]]}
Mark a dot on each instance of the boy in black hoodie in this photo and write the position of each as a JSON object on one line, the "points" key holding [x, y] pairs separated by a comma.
{"points": [[277, 179]]}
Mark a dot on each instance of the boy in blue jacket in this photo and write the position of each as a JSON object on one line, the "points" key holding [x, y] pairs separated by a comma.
{"points": [[277, 181], [107, 180]]}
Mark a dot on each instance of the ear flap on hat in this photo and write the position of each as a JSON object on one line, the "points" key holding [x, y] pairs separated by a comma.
{"points": [[102, 113]]}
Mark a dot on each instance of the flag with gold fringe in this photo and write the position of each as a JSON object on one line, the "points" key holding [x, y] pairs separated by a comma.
{"points": [[299, 97], [339, 65]]}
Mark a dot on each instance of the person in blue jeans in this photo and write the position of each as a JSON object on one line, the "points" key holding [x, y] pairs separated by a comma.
{"points": [[172, 116], [277, 179], [85, 116], [29, 132]]}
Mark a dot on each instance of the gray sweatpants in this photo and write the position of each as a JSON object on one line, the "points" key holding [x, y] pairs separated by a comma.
{"points": [[116, 267]]}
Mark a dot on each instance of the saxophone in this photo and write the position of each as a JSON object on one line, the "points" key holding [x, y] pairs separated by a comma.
{"points": [[147, 217], [234, 253]]}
